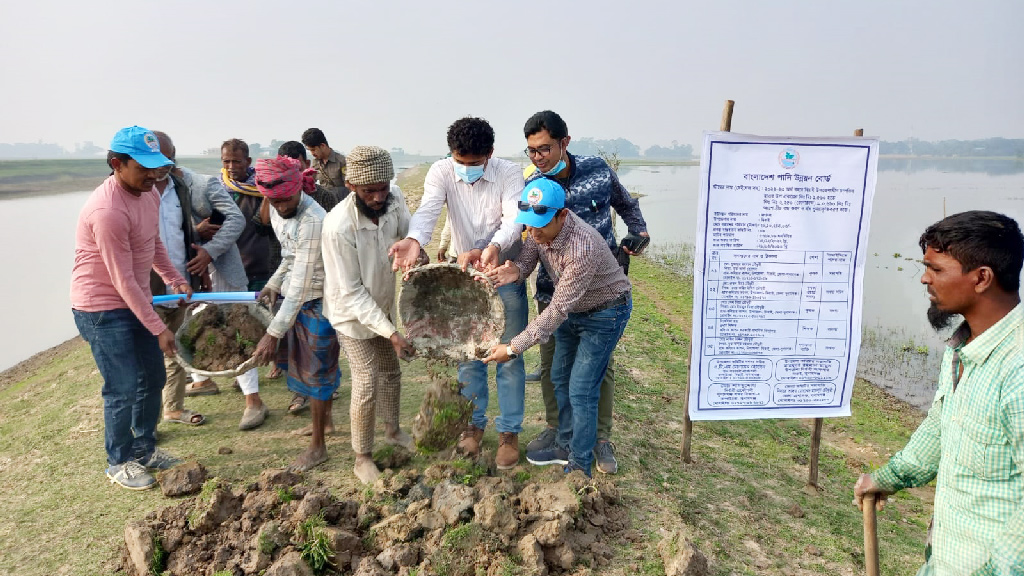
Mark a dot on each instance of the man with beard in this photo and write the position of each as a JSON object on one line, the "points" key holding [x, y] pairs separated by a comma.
{"points": [[972, 441], [360, 298], [309, 346]]}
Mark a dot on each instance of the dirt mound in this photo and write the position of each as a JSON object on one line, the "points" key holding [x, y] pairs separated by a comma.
{"points": [[450, 519], [222, 337], [444, 412], [448, 313]]}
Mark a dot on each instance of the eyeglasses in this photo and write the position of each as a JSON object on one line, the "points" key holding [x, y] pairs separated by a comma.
{"points": [[537, 208], [538, 151]]}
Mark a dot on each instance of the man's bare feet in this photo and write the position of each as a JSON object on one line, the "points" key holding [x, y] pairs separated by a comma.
{"points": [[308, 430], [365, 469], [309, 459], [400, 438]]}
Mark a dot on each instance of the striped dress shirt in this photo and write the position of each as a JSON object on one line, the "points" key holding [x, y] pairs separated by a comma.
{"points": [[483, 211], [972, 444], [585, 272]]}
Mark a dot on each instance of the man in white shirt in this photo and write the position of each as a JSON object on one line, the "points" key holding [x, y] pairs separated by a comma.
{"points": [[482, 195], [359, 298]]}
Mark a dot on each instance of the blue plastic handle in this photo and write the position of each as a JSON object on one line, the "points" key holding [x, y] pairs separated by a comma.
{"points": [[208, 297]]}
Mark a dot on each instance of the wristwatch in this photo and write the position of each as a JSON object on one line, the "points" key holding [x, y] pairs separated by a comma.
{"points": [[508, 351]]}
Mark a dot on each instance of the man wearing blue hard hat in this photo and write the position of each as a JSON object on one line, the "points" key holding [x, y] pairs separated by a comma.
{"points": [[117, 243], [588, 312]]}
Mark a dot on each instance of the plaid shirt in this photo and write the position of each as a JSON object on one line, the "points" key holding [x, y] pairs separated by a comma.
{"points": [[300, 277], [973, 442], [331, 174], [585, 273]]}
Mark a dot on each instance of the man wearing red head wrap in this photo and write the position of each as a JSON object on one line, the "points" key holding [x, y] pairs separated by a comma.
{"points": [[308, 345]]}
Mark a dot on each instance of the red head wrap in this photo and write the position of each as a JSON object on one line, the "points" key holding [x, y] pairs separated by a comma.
{"points": [[282, 177]]}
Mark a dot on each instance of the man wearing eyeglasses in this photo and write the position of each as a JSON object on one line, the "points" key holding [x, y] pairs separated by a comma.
{"points": [[481, 193], [592, 191], [588, 312]]}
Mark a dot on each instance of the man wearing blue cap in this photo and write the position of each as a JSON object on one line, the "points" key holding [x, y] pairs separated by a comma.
{"points": [[588, 312], [117, 243]]}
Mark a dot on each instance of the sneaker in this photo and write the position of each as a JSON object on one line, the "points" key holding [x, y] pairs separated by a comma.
{"points": [[469, 441], [604, 456], [553, 455], [508, 451], [159, 460], [131, 475], [571, 467], [543, 441], [533, 376]]}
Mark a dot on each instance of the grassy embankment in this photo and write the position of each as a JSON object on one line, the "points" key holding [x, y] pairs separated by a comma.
{"points": [[743, 499]]}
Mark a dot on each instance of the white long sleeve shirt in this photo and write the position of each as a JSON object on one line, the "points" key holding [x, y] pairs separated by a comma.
{"points": [[359, 288], [480, 211]]}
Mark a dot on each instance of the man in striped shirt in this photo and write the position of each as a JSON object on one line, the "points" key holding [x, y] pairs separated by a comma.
{"points": [[589, 309], [972, 441]]}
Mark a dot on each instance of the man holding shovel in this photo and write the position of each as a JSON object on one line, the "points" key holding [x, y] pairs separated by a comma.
{"points": [[309, 347], [359, 298], [972, 441]]}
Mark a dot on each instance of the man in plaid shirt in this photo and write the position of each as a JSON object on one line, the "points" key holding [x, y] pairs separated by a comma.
{"points": [[972, 441]]}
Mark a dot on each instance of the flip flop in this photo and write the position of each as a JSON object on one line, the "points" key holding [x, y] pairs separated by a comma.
{"points": [[187, 417], [298, 404], [204, 388]]}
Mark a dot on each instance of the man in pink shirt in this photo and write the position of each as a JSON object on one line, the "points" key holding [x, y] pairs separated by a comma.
{"points": [[117, 242]]}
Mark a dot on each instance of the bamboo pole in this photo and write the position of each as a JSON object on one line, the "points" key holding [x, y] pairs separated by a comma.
{"points": [[870, 536], [726, 126], [812, 471]]}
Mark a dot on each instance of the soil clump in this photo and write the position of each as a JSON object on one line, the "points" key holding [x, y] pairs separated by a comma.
{"points": [[222, 337], [452, 518]]}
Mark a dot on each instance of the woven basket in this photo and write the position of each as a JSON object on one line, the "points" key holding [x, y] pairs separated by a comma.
{"points": [[184, 356], [450, 314]]}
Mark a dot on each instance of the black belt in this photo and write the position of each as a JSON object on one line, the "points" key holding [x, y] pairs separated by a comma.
{"points": [[617, 301]]}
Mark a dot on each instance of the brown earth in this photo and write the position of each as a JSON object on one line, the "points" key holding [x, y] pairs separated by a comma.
{"points": [[438, 521], [222, 337]]}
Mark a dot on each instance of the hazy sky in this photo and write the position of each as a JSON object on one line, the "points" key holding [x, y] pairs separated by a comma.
{"points": [[398, 73]]}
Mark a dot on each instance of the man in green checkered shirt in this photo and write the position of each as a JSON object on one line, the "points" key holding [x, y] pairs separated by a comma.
{"points": [[972, 441]]}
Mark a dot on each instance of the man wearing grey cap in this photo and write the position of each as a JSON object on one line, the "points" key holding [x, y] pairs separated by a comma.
{"points": [[359, 297], [117, 242]]}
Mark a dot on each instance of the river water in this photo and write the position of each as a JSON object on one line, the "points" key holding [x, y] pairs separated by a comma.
{"points": [[899, 353]]}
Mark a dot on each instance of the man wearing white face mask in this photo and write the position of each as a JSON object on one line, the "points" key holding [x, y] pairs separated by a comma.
{"points": [[482, 194]]}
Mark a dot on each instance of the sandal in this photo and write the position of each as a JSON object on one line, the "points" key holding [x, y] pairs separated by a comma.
{"points": [[299, 403], [202, 388], [275, 372], [187, 417]]}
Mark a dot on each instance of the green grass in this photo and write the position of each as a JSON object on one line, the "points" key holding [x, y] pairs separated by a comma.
{"points": [[62, 516]]}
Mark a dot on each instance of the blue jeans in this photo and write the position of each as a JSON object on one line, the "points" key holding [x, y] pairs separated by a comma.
{"points": [[132, 366], [583, 345], [511, 375]]}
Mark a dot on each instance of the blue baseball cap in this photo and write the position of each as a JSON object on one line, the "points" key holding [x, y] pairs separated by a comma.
{"points": [[543, 194], [141, 144]]}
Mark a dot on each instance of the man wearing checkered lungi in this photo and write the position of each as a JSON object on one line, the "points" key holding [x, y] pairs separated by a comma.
{"points": [[359, 298], [308, 345]]}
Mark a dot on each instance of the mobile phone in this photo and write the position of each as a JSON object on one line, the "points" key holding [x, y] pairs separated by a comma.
{"points": [[635, 242], [217, 217]]}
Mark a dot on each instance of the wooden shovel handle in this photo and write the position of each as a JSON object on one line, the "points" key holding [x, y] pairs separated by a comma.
{"points": [[870, 536]]}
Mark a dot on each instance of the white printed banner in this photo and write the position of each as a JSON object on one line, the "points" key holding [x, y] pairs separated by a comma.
{"points": [[778, 275]]}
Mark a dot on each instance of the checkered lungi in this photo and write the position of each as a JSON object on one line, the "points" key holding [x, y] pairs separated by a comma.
{"points": [[376, 387], [309, 352]]}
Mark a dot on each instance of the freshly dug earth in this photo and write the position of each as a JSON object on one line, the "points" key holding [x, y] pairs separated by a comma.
{"points": [[444, 414], [450, 519], [447, 314], [222, 337]]}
